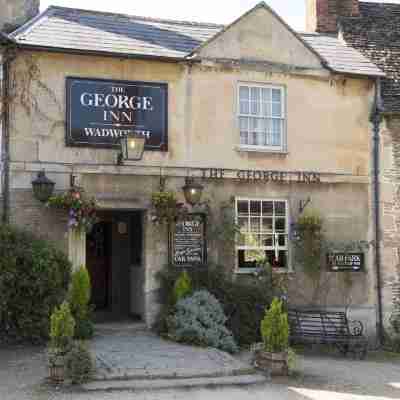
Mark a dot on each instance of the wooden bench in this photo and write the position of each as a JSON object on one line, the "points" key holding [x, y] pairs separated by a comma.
{"points": [[326, 327]]}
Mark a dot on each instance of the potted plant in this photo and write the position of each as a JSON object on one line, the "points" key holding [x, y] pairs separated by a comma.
{"points": [[62, 328], [273, 355]]}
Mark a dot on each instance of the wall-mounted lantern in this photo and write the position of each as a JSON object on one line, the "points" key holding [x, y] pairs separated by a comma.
{"points": [[132, 148], [192, 191], [42, 187]]}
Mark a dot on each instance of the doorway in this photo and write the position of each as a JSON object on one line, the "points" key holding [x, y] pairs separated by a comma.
{"points": [[114, 259]]}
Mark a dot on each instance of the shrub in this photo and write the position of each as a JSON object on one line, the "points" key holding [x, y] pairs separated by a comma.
{"points": [[79, 297], [275, 328], [62, 328], [79, 363], [182, 287], [243, 302], [200, 319], [34, 278]]}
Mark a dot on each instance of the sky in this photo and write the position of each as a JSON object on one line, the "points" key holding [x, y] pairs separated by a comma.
{"points": [[219, 11]]}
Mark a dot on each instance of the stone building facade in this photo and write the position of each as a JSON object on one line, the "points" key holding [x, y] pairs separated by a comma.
{"points": [[373, 29], [265, 118]]}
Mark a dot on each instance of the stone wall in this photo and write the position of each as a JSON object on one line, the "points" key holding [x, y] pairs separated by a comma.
{"points": [[390, 180]]}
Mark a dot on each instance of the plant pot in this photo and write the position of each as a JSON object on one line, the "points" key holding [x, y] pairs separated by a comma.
{"points": [[276, 363], [57, 369]]}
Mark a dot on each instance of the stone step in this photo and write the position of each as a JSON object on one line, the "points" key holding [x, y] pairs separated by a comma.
{"points": [[157, 384]]}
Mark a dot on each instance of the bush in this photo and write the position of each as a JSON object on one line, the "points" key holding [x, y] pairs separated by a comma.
{"points": [[62, 328], [275, 328], [182, 287], [79, 297], [79, 363], [200, 319], [243, 302], [34, 278]]}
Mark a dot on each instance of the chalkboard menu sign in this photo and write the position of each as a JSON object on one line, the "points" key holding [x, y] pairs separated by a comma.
{"points": [[188, 242], [345, 261]]}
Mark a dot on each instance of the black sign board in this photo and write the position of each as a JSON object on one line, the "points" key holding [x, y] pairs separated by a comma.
{"points": [[345, 261], [188, 241], [99, 112]]}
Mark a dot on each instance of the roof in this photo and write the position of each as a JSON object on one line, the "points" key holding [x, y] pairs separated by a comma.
{"points": [[67, 29], [376, 34]]}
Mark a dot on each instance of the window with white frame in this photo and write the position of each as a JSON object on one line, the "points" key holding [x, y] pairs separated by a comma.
{"points": [[263, 233], [262, 117]]}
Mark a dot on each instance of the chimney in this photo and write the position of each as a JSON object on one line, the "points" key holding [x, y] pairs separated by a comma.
{"points": [[322, 15], [15, 13]]}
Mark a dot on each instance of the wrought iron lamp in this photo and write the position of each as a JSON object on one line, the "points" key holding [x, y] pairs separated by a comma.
{"points": [[132, 148], [42, 187], [192, 191]]}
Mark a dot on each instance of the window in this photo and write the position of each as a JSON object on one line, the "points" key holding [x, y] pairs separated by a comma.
{"points": [[262, 117], [263, 233]]}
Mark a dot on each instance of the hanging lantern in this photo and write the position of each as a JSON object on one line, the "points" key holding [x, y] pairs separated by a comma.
{"points": [[132, 148], [42, 187], [192, 191]]}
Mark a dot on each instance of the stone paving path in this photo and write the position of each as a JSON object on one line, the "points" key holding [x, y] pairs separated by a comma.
{"points": [[138, 353]]}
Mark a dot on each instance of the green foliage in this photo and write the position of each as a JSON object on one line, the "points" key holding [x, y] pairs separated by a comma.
{"points": [[79, 363], [275, 328], [34, 278], [310, 243], [79, 297], [183, 286], [243, 301], [62, 328], [166, 208], [200, 320]]}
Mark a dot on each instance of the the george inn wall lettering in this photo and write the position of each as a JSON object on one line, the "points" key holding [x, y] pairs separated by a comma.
{"points": [[262, 175], [99, 112]]}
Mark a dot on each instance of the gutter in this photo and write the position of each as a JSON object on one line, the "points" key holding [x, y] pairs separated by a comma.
{"points": [[376, 119]]}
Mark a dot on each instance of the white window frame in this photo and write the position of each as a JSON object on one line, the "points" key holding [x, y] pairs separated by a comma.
{"points": [[265, 248], [271, 149]]}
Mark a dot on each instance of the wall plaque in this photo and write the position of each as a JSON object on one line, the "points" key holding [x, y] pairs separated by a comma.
{"points": [[99, 112], [188, 241], [345, 261]]}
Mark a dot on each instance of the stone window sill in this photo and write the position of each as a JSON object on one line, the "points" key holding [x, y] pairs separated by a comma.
{"points": [[251, 149]]}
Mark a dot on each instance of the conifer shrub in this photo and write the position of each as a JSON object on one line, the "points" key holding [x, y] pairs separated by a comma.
{"points": [[183, 286], [275, 328], [34, 278], [200, 320], [62, 328], [79, 298]]}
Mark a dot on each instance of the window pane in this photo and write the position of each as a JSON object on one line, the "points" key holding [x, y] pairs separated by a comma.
{"points": [[243, 207], [244, 93], [243, 223], [276, 110], [266, 95], [281, 262], [280, 225], [244, 107], [253, 139], [266, 241], [282, 240], [244, 123], [254, 108], [267, 224], [255, 225], [277, 95], [276, 132], [244, 138], [267, 208], [252, 240], [246, 259], [266, 109], [255, 94], [255, 207], [280, 208]]}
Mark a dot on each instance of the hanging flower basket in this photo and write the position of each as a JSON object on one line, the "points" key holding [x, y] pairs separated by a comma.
{"points": [[165, 207], [81, 209]]}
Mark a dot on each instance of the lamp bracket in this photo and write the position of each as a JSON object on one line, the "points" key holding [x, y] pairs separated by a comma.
{"points": [[303, 204]]}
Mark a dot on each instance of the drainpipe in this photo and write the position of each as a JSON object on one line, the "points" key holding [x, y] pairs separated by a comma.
{"points": [[376, 119], [6, 136]]}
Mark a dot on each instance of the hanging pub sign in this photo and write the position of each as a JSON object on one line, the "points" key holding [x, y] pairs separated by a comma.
{"points": [[188, 241], [100, 112], [345, 261]]}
